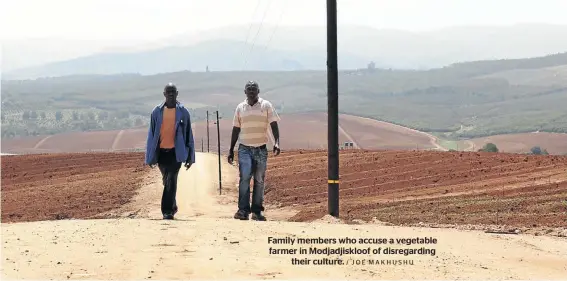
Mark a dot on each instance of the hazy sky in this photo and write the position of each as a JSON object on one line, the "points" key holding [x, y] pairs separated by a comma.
{"points": [[149, 20]]}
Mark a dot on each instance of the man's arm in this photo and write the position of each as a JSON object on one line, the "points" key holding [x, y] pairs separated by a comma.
{"points": [[273, 118], [234, 138], [235, 130], [149, 143], [276, 133], [189, 140]]}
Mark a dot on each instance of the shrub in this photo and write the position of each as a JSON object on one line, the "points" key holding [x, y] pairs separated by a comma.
{"points": [[489, 147]]}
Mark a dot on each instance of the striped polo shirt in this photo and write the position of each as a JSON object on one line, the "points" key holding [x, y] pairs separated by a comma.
{"points": [[254, 121]]}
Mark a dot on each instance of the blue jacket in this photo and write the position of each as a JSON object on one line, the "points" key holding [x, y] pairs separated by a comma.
{"points": [[184, 143]]}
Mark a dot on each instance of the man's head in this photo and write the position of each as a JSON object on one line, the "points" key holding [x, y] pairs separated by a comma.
{"points": [[170, 93], [251, 89]]}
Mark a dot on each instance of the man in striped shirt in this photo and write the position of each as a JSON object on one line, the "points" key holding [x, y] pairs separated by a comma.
{"points": [[252, 119]]}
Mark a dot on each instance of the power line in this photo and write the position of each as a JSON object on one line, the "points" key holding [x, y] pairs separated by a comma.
{"points": [[258, 32], [251, 24], [249, 28], [277, 25]]}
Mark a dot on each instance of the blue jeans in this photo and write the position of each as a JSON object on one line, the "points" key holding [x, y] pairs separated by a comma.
{"points": [[252, 163]]}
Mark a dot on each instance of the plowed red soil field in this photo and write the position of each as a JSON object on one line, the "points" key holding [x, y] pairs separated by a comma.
{"points": [[405, 187], [401, 187], [62, 186]]}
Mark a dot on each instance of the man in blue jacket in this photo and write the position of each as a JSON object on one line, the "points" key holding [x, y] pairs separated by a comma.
{"points": [[170, 143]]}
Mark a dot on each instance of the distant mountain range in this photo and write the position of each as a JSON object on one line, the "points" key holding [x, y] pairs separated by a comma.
{"points": [[303, 48]]}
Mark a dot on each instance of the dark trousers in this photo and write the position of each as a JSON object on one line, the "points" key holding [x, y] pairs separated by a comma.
{"points": [[169, 168], [252, 162]]}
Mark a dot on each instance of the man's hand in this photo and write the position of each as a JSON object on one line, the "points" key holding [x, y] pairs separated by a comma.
{"points": [[231, 157], [188, 165], [276, 149]]}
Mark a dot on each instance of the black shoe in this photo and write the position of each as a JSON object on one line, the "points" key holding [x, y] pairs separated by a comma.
{"points": [[258, 216], [168, 217], [241, 215]]}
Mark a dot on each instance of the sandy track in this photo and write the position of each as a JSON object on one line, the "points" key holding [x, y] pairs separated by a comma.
{"points": [[398, 128], [39, 143], [205, 243], [117, 140], [356, 146], [470, 146]]}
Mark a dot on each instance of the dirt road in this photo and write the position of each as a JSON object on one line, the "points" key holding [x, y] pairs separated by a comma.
{"points": [[470, 146], [349, 137], [204, 242]]}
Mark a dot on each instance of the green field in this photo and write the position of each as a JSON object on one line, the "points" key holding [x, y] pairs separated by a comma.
{"points": [[459, 101]]}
